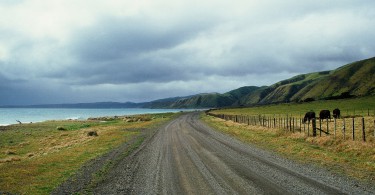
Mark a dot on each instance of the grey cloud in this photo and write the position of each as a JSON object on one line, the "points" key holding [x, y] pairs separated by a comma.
{"points": [[113, 38], [196, 49], [127, 51]]}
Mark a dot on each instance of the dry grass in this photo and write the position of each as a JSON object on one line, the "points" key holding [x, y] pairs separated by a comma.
{"points": [[353, 158], [36, 158], [337, 130]]}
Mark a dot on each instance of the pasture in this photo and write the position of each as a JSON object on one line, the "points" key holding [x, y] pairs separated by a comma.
{"points": [[349, 107], [279, 128]]}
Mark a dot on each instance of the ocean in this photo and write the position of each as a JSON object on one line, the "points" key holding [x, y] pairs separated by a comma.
{"points": [[26, 115]]}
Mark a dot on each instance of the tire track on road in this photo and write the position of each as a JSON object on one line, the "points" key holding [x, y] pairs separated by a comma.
{"points": [[188, 157]]}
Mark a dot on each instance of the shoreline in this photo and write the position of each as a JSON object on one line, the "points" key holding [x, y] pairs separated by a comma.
{"points": [[10, 116]]}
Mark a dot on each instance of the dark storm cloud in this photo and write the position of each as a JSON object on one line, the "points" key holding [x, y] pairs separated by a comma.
{"points": [[16, 91], [125, 51], [114, 38], [130, 50]]}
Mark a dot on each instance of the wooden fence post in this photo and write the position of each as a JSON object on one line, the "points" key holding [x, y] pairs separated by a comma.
{"points": [[293, 124], [290, 124], [343, 128], [353, 127], [334, 135], [320, 127], [270, 122], [314, 126], [274, 122], [285, 123], [308, 128], [363, 129], [263, 119], [300, 123]]}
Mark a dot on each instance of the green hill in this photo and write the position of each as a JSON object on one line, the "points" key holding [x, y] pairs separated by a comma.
{"points": [[356, 79], [351, 80]]}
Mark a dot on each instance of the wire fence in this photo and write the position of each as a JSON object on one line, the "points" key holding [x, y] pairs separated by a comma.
{"points": [[349, 127]]}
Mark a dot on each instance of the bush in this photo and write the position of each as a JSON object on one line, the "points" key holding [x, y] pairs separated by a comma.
{"points": [[61, 128], [92, 133]]}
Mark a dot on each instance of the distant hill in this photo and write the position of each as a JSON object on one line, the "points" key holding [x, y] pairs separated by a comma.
{"points": [[206, 100], [351, 80], [83, 105]]}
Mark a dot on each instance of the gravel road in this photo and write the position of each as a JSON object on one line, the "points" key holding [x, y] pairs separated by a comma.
{"points": [[188, 157]]}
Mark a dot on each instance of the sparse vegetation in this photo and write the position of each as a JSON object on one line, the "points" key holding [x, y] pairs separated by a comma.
{"points": [[35, 158]]}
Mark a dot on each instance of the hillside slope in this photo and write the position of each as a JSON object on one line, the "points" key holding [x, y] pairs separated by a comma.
{"points": [[354, 79], [207, 100]]}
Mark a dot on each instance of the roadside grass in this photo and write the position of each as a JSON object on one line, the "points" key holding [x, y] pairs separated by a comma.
{"points": [[36, 158], [349, 107], [353, 158]]}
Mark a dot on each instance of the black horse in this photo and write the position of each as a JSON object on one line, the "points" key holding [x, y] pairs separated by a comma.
{"points": [[325, 114], [336, 113], [308, 116]]}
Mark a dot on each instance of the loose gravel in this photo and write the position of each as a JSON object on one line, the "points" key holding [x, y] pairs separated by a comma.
{"points": [[186, 156]]}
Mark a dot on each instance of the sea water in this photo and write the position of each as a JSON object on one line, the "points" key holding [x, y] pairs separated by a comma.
{"points": [[27, 115]]}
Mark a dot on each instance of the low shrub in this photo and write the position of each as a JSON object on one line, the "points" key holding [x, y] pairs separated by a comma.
{"points": [[61, 128]]}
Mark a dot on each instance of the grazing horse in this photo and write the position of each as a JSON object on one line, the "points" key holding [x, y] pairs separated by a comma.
{"points": [[325, 114], [336, 113], [308, 116]]}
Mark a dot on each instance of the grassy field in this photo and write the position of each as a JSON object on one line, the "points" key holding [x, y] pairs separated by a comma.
{"points": [[345, 156], [36, 158], [349, 107]]}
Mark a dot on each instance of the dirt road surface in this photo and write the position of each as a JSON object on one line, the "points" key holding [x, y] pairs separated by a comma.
{"points": [[188, 157]]}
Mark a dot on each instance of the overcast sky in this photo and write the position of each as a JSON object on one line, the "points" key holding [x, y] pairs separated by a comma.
{"points": [[61, 51]]}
